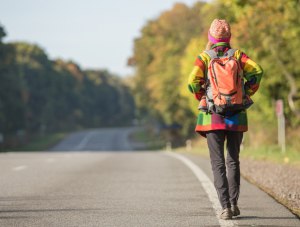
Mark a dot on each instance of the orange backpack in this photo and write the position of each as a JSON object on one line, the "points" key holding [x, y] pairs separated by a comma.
{"points": [[225, 94]]}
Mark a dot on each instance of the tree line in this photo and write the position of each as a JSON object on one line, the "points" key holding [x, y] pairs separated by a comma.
{"points": [[267, 31], [40, 95]]}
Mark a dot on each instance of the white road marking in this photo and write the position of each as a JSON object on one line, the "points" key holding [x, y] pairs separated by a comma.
{"points": [[19, 168], [84, 141], [207, 186]]}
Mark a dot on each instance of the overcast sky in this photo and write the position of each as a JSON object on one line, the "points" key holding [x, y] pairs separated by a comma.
{"points": [[94, 33]]}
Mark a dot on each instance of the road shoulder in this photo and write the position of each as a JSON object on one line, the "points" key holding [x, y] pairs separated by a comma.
{"points": [[281, 181]]}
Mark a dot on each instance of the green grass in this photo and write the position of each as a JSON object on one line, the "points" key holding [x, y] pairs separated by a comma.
{"points": [[267, 153], [141, 136], [41, 143], [273, 154], [149, 139]]}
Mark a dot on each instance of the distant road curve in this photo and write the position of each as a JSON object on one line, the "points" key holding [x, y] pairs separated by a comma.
{"points": [[104, 139]]}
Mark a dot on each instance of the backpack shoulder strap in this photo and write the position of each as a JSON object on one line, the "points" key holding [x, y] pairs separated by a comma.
{"points": [[211, 53], [230, 52]]}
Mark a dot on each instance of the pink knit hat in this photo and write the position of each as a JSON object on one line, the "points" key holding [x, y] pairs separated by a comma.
{"points": [[219, 31]]}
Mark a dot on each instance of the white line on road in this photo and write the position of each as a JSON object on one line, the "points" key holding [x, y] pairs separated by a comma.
{"points": [[19, 168], [207, 186], [84, 141]]}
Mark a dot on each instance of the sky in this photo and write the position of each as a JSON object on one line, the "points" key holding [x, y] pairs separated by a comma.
{"points": [[96, 34]]}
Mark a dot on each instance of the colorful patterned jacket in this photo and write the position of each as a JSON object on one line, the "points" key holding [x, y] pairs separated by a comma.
{"points": [[252, 74]]}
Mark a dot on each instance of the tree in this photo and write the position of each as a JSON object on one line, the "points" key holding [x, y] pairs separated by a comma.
{"points": [[11, 98], [157, 55], [269, 31], [42, 95]]}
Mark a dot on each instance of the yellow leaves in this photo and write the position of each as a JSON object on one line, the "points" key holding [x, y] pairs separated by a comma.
{"points": [[75, 71], [169, 19], [192, 50]]}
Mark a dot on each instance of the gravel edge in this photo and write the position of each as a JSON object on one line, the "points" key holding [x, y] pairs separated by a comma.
{"points": [[282, 182]]}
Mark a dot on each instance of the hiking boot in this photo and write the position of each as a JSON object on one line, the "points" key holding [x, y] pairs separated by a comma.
{"points": [[235, 210], [226, 214]]}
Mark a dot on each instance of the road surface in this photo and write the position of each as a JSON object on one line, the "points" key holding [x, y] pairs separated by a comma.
{"points": [[113, 188], [110, 139]]}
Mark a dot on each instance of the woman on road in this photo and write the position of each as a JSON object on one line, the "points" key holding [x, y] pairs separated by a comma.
{"points": [[217, 81]]}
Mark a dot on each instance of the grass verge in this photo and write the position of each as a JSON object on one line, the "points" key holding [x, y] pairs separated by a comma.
{"points": [[267, 153], [272, 154], [144, 139], [41, 143]]}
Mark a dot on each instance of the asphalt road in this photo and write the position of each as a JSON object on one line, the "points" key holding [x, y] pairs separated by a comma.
{"points": [[120, 188], [109, 139]]}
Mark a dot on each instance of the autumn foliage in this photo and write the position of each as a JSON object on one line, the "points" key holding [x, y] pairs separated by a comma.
{"points": [[268, 31]]}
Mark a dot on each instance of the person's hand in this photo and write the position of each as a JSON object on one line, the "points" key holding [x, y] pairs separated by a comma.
{"points": [[250, 89], [198, 95]]}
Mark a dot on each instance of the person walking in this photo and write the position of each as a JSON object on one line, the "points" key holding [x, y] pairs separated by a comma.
{"points": [[223, 80]]}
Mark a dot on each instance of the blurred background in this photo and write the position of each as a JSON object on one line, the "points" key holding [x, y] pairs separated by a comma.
{"points": [[67, 66]]}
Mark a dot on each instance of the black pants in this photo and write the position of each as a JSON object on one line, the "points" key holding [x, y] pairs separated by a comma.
{"points": [[227, 185]]}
